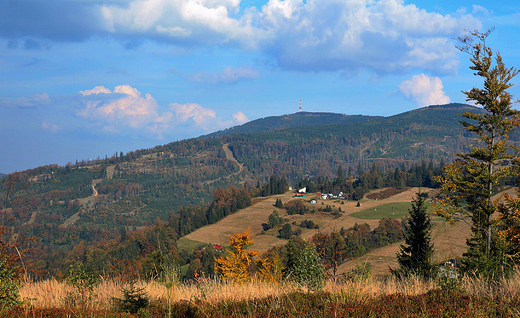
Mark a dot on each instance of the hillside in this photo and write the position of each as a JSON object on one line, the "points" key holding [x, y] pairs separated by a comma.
{"points": [[86, 203], [450, 241], [301, 119]]}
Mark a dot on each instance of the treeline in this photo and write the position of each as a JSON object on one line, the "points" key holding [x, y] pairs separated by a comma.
{"points": [[225, 202], [400, 177]]}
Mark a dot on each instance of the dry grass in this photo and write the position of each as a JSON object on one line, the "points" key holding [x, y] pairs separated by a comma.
{"points": [[52, 294]]}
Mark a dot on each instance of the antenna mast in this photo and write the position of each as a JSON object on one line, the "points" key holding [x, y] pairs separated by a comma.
{"points": [[300, 104]]}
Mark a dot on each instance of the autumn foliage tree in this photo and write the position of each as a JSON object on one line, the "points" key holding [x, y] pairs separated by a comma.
{"points": [[236, 264], [12, 268], [332, 250], [470, 182], [509, 230]]}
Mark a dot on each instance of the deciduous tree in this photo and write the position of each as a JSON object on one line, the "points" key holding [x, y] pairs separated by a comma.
{"points": [[236, 264], [332, 250]]}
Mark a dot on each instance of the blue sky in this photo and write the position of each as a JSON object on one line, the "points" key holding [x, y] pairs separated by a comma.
{"points": [[89, 78]]}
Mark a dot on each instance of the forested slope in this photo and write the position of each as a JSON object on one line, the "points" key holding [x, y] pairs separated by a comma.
{"points": [[145, 187]]}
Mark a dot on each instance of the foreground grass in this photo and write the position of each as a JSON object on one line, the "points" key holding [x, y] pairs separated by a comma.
{"points": [[359, 298]]}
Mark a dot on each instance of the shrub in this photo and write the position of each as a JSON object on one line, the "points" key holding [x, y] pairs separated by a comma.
{"points": [[286, 231], [304, 266], [84, 281], [8, 287], [133, 299]]}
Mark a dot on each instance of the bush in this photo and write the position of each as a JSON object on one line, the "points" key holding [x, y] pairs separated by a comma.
{"points": [[84, 281], [274, 220], [133, 299], [8, 286], [286, 231], [304, 266]]}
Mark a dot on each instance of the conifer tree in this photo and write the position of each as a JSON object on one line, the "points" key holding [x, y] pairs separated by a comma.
{"points": [[473, 177], [415, 255]]}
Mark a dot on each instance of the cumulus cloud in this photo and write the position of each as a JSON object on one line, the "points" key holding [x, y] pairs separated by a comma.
{"points": [[240, 117], [227, 75], [204, 118], [424, 90], [124, 108], [196, 112], [379, 35], [31, 101], [383, 36]]}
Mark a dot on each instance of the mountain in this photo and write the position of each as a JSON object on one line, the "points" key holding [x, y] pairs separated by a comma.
{"points": [[91, 202], [300, 119], [142, 185]]}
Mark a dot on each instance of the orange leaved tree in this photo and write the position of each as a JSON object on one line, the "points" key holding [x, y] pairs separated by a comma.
{"points": [[236, 264]]}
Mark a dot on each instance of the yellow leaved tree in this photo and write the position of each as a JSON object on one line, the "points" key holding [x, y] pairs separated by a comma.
{"points": [[236, 264]]}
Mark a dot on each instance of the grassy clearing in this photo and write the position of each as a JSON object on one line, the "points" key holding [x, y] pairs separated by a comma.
{"points": [[395, 210], [185, 244], [362, 297]]}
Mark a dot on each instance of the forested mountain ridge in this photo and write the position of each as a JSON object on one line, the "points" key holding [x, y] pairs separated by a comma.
{"points": [[88, 202], [300, 119], [429, 133]]}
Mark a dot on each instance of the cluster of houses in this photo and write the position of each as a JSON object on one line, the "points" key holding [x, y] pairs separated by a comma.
{"points": [[333, 196], [325, 196]]}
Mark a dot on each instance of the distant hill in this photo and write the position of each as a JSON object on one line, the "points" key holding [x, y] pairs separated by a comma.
{"points": [[301, 119]]}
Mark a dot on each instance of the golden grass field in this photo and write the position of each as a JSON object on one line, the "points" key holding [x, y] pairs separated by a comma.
{"points": [[449, 241], [53, 294]]}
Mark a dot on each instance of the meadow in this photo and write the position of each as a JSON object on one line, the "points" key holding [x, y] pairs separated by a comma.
{"points": [[362, 296]]}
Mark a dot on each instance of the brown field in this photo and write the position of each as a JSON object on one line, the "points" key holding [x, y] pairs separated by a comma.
{"points": [[449, 240]]}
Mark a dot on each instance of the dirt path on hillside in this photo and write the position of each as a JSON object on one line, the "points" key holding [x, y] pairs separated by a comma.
{"points": [[75, 217], [231, 157]]}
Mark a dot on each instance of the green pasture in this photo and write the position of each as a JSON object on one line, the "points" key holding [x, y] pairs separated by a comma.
{"points": [[184, 244], [395, 210]]}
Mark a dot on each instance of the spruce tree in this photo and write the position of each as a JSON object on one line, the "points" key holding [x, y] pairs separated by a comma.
{"points": [[470, 182], [415, 255]]}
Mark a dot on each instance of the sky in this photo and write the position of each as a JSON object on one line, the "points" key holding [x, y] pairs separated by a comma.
{"points": [[83, 79]]}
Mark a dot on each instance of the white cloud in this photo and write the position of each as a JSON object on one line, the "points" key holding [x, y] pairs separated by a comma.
{"points": [[125, 109], [205, 118], [96, 90], [380, 35], [240, 117], [200, 115], [480, 9], [227, 75], [424, 90]]}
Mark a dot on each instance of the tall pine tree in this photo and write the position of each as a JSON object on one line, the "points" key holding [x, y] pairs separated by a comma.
{"points": [[415, 255], [470, 182]]}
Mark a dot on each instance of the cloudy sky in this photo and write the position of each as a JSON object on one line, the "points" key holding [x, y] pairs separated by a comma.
{"points": [[89, 78]]}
